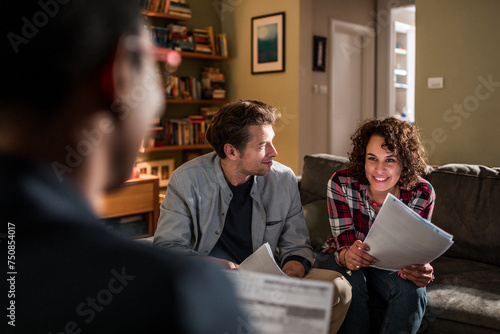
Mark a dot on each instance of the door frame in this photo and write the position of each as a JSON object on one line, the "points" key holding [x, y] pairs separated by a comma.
{"points": [[367, 76]]}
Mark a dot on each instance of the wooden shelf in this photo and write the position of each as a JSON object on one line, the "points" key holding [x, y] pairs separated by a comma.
{"points": [[191, 101], [135, 197], [165, 15], [175, 148], [161, 53]]}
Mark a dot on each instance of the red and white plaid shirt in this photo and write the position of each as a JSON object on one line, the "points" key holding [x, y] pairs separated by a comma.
{"points": [[352, 216]]}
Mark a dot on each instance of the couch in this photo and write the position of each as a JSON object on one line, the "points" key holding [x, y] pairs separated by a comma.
{"points": [[465, 296]]}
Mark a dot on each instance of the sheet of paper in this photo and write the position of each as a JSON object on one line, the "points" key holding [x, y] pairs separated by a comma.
{"points": [[282, 305], [399, 237], [262, 261]]}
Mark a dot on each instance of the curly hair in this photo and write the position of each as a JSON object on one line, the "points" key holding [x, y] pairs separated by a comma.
{"points": [[230, 124], [400, 137]]}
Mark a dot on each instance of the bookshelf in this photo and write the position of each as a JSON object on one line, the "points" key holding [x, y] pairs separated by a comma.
{"points": [[150, 13], [160, 54], [197, 101], [176, 148], [183, 106]]}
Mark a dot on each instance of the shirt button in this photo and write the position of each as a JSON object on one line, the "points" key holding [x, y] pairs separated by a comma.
{"points": [[223, 213], [217, 232]]}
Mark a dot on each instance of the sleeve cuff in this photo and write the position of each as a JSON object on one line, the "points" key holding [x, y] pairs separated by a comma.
{"points": [[305, 263]]}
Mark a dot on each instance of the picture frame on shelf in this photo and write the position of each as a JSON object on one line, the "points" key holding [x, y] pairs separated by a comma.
{"points": [[319, 53], [161, 168], [268, 43]]}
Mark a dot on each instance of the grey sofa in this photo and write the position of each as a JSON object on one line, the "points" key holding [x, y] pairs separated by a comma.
{"points": [[465, 296]]}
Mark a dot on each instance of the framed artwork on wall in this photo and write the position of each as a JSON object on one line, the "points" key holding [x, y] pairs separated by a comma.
{"points": [[268, 43], [161, 168], [319, 54]]}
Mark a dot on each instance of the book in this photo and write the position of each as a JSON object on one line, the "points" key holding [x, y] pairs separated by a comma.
{"points": [[399, 237]]}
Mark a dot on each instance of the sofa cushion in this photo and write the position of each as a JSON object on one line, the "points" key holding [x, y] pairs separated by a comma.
{"points": [[466, 292], [316, 216], [318, 168], [467, 198]]}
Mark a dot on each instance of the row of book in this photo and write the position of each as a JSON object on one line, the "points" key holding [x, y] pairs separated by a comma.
{"points": [[184, 131], [210, 86], [178, 37], [178, 8]]}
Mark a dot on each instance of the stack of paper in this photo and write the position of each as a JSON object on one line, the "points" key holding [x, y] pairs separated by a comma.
{"points": [[399, 237]]}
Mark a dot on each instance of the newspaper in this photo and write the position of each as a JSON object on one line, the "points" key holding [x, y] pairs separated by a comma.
{"points": [[277, 304], [399, 237]]}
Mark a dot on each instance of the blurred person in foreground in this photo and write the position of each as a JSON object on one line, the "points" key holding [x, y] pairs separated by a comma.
{"points": [[78, 93], [387, 157]]}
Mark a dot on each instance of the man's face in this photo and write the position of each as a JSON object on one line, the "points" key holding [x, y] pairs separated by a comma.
{"points": [[139, 101], [257, 157]]}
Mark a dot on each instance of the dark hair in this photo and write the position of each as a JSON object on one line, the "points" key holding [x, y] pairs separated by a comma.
{"points": [[400, 137], [231, 122], [48, 46]]}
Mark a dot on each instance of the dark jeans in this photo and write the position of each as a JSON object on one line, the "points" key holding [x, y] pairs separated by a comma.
{"points": [[405, 301]]}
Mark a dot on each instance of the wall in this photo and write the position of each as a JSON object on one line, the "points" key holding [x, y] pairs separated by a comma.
{"points": [[458, 40], [278, 89]]}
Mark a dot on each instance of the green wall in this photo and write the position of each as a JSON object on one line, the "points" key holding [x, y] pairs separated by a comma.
{"points": [[460, 41], [278, 89]]}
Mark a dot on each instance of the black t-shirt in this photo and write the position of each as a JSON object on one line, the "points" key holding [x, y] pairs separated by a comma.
{"points": [[235, 242]]}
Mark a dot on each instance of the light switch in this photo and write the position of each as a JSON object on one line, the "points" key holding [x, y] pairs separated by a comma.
{"points": [[323, 89], [435, 83], [315, 89]]}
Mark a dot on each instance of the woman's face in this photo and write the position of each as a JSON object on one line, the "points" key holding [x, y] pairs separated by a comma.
{"points": [[382, 167]]}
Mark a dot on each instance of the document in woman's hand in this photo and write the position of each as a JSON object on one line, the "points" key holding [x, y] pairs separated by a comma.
{"points": [[399, 237]]}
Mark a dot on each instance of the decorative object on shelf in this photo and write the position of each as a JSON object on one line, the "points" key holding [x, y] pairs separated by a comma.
{"points": [[268, 43], [161, 168], [319, 54]]}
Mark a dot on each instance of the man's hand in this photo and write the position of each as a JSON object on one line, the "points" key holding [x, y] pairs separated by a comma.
{"points": [[420, 274], [224, 263], [294, 269]]}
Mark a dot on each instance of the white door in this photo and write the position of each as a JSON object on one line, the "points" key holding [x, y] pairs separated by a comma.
{"points": [[352, 81]]}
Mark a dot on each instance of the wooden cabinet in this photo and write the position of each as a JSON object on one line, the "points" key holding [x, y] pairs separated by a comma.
{"points": [[133, 209]]}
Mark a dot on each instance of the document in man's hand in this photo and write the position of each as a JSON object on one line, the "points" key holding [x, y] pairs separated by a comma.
{"points": [[399, 237], [276, 303], [262, 261]]}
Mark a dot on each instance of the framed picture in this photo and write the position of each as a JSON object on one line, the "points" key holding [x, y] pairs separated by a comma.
{"points": [[161, 168], [268, 43], [319, 53]]}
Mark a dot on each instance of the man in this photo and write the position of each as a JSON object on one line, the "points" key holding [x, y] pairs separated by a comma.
{"points": [[228, 203], [78, 92]]}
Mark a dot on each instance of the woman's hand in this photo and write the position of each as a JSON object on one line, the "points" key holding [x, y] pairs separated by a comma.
{"points": [[420, 274], [356, 256]]}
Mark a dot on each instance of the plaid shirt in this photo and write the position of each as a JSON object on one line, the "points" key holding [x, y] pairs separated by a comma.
{"points": [[350, 212]]}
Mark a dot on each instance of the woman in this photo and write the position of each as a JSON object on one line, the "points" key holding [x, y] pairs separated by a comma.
{"points": [[387, 157]]}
